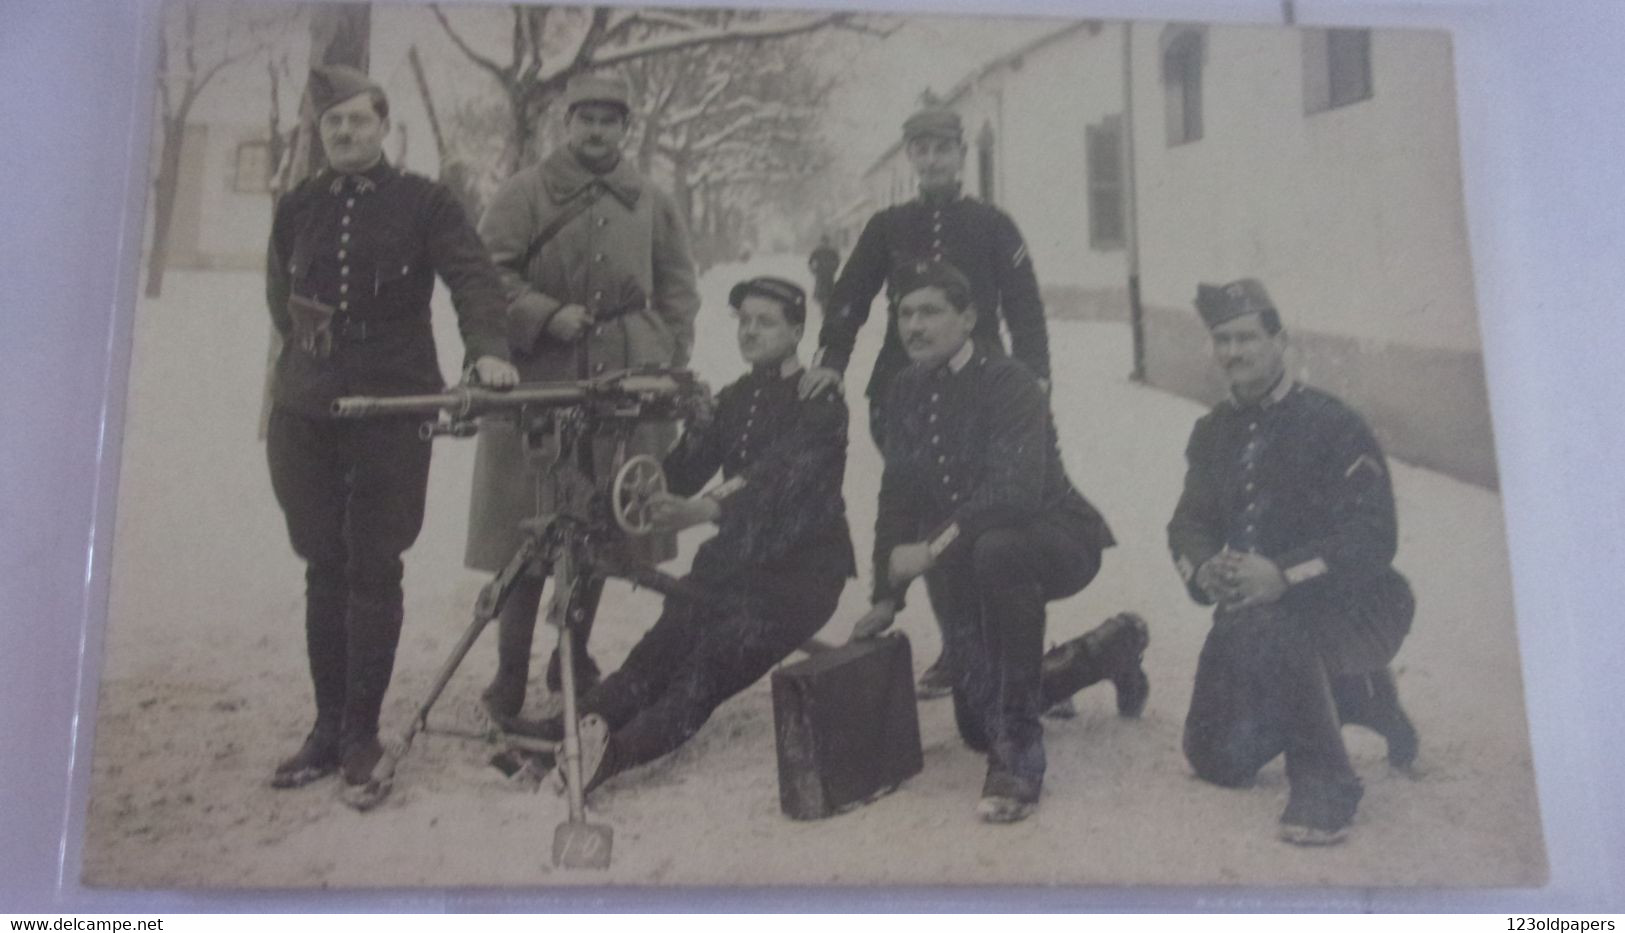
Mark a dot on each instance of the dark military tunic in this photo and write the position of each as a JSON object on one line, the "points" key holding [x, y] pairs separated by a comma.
{"points": [[774, 571], [369, 245], [973, 468], [971, 450], [976, 238], [1299, 479]]}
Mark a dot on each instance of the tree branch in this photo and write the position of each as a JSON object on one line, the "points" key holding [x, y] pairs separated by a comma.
{"points": [[501, 74], [664, 44]]}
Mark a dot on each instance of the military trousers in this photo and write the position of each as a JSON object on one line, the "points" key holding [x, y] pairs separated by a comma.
{"points": [[1264, 688], [989, 596], [698, 655], [352, 493]]}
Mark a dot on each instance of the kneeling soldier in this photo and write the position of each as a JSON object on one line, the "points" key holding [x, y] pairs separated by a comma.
{"points": [[1287, 523], [975, 498], [768, 580]]}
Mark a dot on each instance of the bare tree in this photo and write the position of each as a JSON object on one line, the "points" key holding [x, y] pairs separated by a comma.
{"points": [[550, 45]]}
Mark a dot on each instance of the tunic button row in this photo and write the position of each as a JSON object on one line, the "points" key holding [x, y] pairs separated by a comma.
{"points": [[598, 367], [953, 497], [344, 237], [936, 439], [346, 220], [342, 254], [344, 270], [344, 286], [942, 458], [349, 202], [344, 306]]}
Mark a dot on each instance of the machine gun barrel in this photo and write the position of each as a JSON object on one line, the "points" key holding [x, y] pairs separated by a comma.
{"points": [[464, 402]]}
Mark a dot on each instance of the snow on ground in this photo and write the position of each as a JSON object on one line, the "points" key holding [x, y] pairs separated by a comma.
{"points": [[205, 685]]}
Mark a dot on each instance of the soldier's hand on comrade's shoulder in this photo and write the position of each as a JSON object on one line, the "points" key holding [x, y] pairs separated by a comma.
{"points": [[1254, 580], [908, 561], [568, 323], [495, 372], [1212, 577], [879, 618], [818, 379]]}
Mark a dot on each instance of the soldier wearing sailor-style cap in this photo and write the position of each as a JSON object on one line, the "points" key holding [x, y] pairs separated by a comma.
{"points": [[353, 255], [1287, 526], [942, 225]]}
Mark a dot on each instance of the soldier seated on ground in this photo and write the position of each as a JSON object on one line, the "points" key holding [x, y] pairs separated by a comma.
{"points": [[974, 497], [1287, 524], [771, 576]]}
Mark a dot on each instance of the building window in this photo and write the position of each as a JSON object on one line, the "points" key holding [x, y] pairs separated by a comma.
{"points": [[252, 171], [984, 163], [1183, 49], [1336, 68], [1103, 152]]}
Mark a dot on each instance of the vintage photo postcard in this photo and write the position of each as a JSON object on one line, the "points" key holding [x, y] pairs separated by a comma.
{"points": [[1150, 348]]}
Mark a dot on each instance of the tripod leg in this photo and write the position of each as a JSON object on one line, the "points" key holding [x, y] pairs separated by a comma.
{"points": [[576, 843], [488, 605]]}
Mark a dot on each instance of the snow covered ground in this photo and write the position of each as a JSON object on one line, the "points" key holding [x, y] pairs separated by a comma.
{"points": [[205, 687]]}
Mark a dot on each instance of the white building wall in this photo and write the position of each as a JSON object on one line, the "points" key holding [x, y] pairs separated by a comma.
{"points": [[233, 225], [1353, 217], [1040, 111]]}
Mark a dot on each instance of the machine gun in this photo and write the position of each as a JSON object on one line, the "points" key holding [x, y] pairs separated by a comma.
{"points": [[566, 427]]}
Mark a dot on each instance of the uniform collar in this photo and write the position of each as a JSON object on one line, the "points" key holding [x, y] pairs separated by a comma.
{"points": [[565, 177], [956, 364], [787, 368], [1275, 396], [363, 181], [941, 197]]}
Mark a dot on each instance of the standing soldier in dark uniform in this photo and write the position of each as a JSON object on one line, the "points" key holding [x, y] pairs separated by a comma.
{"points": [[770, 577], [596, 264], [823, 264], [941, 225], [1287, 524], [353, 255], [975, 498]]}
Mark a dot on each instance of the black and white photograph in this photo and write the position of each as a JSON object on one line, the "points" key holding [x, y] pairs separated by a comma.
{"points": [[635, 447]]}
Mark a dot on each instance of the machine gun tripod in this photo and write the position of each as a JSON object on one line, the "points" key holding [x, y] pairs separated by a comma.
{"points": [[564, 427]]}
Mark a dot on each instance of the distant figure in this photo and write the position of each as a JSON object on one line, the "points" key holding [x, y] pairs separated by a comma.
{"points": [[1287, 524], [975, 498], [353, 255], [823, 264], [599, 278]]}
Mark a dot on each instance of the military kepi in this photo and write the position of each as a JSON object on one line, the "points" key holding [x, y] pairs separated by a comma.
{"points": [[609, 89], [1219, 304], [933, 121], [787, 293], [335, 84]]}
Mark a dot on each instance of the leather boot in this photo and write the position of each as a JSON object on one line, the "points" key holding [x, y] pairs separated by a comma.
{"points": [[1110, 651], [1372, 700]]}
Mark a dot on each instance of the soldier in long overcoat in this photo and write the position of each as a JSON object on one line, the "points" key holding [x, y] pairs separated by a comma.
{"points": [[599, 278]]}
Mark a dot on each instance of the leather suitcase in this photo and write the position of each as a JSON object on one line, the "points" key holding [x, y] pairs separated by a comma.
{"points": [[847, 726]]}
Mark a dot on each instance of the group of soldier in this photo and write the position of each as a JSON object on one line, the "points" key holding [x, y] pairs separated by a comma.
{"points": [[580, 267]]}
